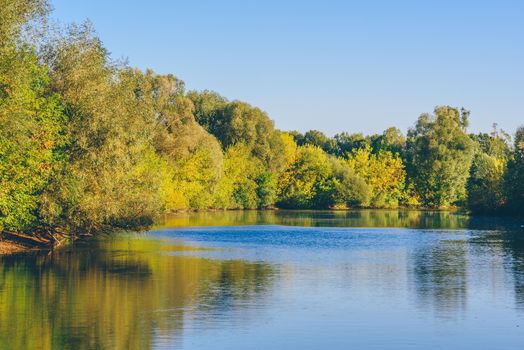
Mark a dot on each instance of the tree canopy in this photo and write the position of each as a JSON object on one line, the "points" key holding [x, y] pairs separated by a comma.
{"points": [[89, 144]]}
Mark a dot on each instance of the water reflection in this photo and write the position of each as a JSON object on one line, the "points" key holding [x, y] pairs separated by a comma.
{"points": [[344, 218], [440, 276], [445, 281], [117, 296], [513, 245]]}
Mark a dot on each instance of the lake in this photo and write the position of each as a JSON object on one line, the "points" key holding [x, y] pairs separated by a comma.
{"points": [[369, 279]]}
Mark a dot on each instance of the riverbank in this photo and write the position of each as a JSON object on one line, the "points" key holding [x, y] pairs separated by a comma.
{"points": [[11, 243], [422, 218], [7, 247]]}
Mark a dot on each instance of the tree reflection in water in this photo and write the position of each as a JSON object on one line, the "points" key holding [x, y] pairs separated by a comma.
{"points": [[118, 295], [259, 284]]}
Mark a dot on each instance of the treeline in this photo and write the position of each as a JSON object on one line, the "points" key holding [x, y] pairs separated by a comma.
{"points": [[88, 144], [437, 165]]}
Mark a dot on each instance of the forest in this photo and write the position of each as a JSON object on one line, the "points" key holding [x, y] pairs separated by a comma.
{"points": [[89, 144]]}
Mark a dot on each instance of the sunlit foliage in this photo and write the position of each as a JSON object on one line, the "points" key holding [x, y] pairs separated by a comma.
{"points": [[317, 180], [514, 182], [383, 172], [31, 123], [88, 144], [440, 154]]}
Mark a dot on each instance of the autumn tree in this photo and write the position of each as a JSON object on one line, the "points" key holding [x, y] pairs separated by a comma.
{"points": [[384, 173], [112, 177], [317, 180], [485, 185]]}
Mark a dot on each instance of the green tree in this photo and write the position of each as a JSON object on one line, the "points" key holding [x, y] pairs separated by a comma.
{"points": [[16, 14], [238, 188], [346, 143], [485, 184], [319, 139], [304, 184], [31, 138], [112, 176], [316, 180], [384, 173], [495, 144], [208, 106], [350, 190], [194, 154], [391, 140], [439, 156], [31, 122], [238, 122], [514, 182]]}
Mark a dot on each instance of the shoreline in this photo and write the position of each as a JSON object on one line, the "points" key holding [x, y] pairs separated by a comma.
{"points": [[14, 243], [11, 243], [8, 247]]}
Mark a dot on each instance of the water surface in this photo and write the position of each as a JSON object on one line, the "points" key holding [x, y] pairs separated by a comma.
{"points": [[276, 280]]}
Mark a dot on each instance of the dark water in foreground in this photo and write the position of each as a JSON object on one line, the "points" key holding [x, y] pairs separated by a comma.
{"points": [[264, 280]]}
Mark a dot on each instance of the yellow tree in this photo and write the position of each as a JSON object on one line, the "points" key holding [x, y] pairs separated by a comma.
{"points": [[383, 172]]}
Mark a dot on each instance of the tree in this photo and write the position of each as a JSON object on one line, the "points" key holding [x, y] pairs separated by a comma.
{"points": [[238, 122], [31, 122], [384, 174], [439, 156], [319, 139], [238, 188], [111, 178], [302, 184], [208, 105], [495, 144], [514, 182], [346, 143], [485, 184], [32, 127], [316, 180], [16, 14], [391, 140], [194, 155], [350, 189]]}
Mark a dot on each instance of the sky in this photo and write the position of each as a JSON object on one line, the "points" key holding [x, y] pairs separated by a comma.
{"points": [[330, 65]]}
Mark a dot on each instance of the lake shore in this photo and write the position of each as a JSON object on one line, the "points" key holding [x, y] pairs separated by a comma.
{"points": [[7, 247], [11, 243]]}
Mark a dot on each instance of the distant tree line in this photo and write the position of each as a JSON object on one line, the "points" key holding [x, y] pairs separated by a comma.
{"points": [[88, 144]]}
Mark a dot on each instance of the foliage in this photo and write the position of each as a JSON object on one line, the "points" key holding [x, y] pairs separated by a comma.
{"points": [[485, 185], [31, 138], [316, 180], [193, 154], [440, 154], [238, 189], [346, 143], [302, 183], [238, 122], [15, 14], [88, 144], [111, 178], [383, 172], [514, 181], [391, 140], [208, 106]]}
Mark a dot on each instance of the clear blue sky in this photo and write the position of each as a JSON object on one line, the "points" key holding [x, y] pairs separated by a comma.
{"points": [[329, 65]]}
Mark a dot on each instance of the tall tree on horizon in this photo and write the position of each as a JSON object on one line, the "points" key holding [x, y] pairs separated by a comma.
{"points": [[514, 182], [439, 155]]}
